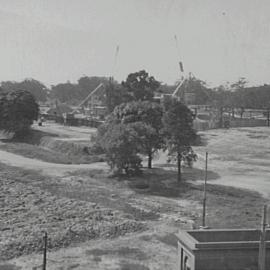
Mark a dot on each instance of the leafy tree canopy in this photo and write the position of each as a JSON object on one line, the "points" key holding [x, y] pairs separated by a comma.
{"points": [[141, 86], [66, 92], [36, 88], [73, 93], [145, 111], [18, 110], [88, 84], [146, 119], [120, 144], [116, 94], [179, 132]]}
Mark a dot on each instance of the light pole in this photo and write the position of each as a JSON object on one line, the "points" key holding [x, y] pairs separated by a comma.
{"points": [[204, 191]]}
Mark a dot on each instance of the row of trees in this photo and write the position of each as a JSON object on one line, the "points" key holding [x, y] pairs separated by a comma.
{"points": [[36, 88], [234, 95], [67, 92], [140, 127]]}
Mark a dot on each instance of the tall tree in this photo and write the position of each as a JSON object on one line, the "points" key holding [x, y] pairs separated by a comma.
{"points": [[36, 88], [120, 144], [179, 132], [18, 110], [201, 94], [146, 118], [116, 94], [141, 86], [88, 84], [66, 93]]}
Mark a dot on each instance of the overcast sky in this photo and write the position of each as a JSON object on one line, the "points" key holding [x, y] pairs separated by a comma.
{"points": [[59, 40]]}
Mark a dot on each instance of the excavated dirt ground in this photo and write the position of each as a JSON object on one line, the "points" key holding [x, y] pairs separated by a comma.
{"points": [[27, 211]]}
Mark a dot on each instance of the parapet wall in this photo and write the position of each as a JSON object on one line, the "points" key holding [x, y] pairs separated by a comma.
{"points": [[220, 250]]}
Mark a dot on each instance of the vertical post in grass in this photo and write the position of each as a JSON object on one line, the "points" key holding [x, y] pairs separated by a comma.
{"points": [[262, 246], [268, 117], [204, 191], [45, 239]]}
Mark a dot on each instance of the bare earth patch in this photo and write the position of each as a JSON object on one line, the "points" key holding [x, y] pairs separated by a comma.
{"points": [[28, 211], [240, 156]]}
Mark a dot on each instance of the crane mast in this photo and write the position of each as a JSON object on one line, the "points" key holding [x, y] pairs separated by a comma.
{"points": [[181, 68]]}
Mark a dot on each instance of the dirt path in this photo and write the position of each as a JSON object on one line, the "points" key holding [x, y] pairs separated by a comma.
{"points": [[134, 252], [153, 249], [51, 169]]}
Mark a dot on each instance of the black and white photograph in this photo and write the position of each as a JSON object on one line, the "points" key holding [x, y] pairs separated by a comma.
{"points": [[134, 134]]}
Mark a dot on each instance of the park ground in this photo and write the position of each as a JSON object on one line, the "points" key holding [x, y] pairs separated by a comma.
{"points": [[95, 221]]}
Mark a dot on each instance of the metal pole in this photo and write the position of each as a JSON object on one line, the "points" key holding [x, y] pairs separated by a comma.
{"points": [[204, 192], [268, 117], [262, 246], [45, 238]]}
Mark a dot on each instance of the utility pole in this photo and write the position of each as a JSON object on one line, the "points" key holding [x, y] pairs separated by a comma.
{"points": [[221, 111], [262, 247], [268, 117], [45, 239], [204, 192]]}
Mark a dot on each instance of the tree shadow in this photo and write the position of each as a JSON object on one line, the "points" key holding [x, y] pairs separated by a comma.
{"points": [[200, 140], [31, 137], [162, 182]]}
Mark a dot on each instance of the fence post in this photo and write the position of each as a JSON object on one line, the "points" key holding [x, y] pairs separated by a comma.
{"points": [[45, 239], [268, 117], [204, 191], [262, 245]]}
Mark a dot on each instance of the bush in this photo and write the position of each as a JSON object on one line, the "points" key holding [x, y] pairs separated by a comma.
{"points": [[18, 110], [120, 144]]}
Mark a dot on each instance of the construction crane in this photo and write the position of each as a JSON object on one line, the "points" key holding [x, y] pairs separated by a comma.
{"points": [[91, 94], [101, 85], [115, 61], [181, 67], [81, 105]]}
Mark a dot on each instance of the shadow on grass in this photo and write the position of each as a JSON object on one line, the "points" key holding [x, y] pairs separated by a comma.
{"points": [[162, 182], [9, 267], [200, 140], [31, 137]]}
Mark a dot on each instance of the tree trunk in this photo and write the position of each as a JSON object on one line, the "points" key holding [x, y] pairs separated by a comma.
{"points": [[150, 160], [179, 174], [221, 118]]}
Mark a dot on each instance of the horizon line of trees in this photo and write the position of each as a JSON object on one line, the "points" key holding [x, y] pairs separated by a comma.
{"points": [[234, 95]]}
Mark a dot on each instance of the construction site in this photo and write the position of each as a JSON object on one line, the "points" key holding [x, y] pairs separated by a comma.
{"points": [[127, 171]]}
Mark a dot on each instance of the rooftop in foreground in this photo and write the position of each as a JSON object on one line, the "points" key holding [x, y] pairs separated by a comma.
{"points": [[236, 249]]}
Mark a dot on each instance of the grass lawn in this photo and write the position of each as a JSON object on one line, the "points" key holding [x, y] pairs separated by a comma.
{"points": [[48, 155], [34, 145], [154, 205], [92, 205]]}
